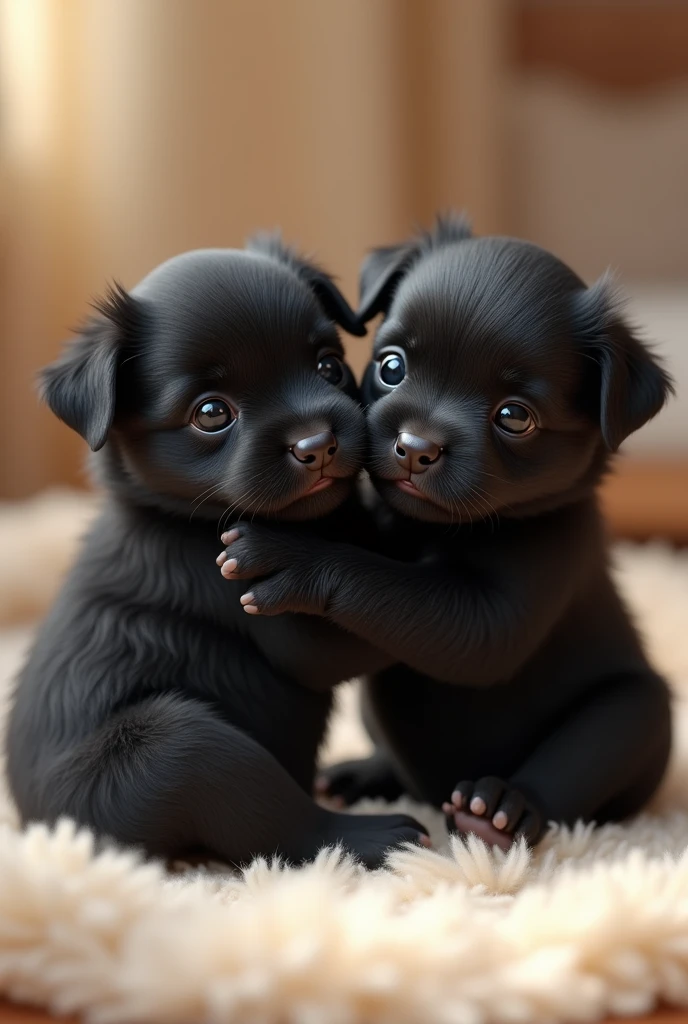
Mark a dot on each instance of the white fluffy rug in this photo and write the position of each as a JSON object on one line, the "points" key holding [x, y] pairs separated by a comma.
{"points": [[595, 922]]}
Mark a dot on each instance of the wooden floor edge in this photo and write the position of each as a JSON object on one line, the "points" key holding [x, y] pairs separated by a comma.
{"points": [[12, 1013]]}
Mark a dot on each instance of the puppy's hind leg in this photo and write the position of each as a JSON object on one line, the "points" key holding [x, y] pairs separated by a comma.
{"points": [[376, 776], [602, 763], [348, 781], [169, 775]]}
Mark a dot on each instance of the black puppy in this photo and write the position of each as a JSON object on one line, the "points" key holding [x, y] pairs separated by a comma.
{"points": [[499, 386], [151, 707]]}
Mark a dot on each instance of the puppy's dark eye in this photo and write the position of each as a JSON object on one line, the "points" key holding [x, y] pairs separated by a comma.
{"points": [[392, 369], [212, 414], [515, 419], [332, 369]]}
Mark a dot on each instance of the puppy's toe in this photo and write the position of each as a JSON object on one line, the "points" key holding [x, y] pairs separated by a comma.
{"points": [[487, 793], [470, 824], [509, 811], [480, 798], [531, 826], [461, 796]]}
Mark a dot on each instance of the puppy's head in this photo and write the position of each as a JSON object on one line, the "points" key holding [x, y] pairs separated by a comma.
{"points": [[217, 384], [499, 382]]}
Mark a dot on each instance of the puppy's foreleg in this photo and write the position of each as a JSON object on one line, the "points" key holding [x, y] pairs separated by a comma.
{"points": [[471, 627]]}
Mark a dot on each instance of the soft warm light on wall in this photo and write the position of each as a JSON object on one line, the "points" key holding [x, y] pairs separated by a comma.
{"points": [[26, 75]]}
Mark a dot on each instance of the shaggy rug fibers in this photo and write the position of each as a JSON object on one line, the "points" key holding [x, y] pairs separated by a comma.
{"points": [[592, 923]]}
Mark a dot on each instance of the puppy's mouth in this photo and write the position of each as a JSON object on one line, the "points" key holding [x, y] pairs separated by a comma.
{"points": [[408, 487], [323, 483], [319, 485], [416, 501]]}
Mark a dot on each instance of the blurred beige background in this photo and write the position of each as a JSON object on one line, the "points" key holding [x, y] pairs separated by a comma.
{"points": [[133, 129]]}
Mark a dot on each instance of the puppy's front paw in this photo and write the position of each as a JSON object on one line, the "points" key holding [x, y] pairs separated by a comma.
{"points": [[252, 551], [293, 576], [494, 811], [287, 591]]}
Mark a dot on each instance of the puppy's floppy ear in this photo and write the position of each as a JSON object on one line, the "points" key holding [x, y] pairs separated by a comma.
{"points": [[383, 268], [633, 386], [80, 386], [322, 285], [381, 272], [332, 301]]}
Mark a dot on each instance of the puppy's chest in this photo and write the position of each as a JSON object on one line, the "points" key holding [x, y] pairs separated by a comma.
{"points": [[446, 546], [418, 545], [229, 672], [285, 718]]}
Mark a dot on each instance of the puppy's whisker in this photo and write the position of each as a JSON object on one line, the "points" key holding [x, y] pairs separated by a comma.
{"points": [[198, 502], [199, 506], [240, 503], [234, 505], [265, 499], [466, 507], [205, 496], [453, 503], [201, 497], [500, 480], [255, 500], [266, 502], [482, 498], [452, 506], [481, 504], [136, 355], [247, 496], [272, 493]]}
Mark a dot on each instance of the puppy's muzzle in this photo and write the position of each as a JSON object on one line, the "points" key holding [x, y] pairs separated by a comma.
{"points": [[414, 453], [315, 452]]}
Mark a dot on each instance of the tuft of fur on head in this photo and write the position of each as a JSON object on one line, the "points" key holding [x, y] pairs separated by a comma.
{"points": [[272, 245], [449, 228], [602, 306], [115, 308], [118, 306]]}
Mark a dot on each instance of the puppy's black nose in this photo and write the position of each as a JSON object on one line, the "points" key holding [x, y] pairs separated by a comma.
{"points": [[315, 452], [416, 453]]}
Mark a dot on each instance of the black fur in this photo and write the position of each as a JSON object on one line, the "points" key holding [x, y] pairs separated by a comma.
{"points": [[521, 685], [151, 707]]}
